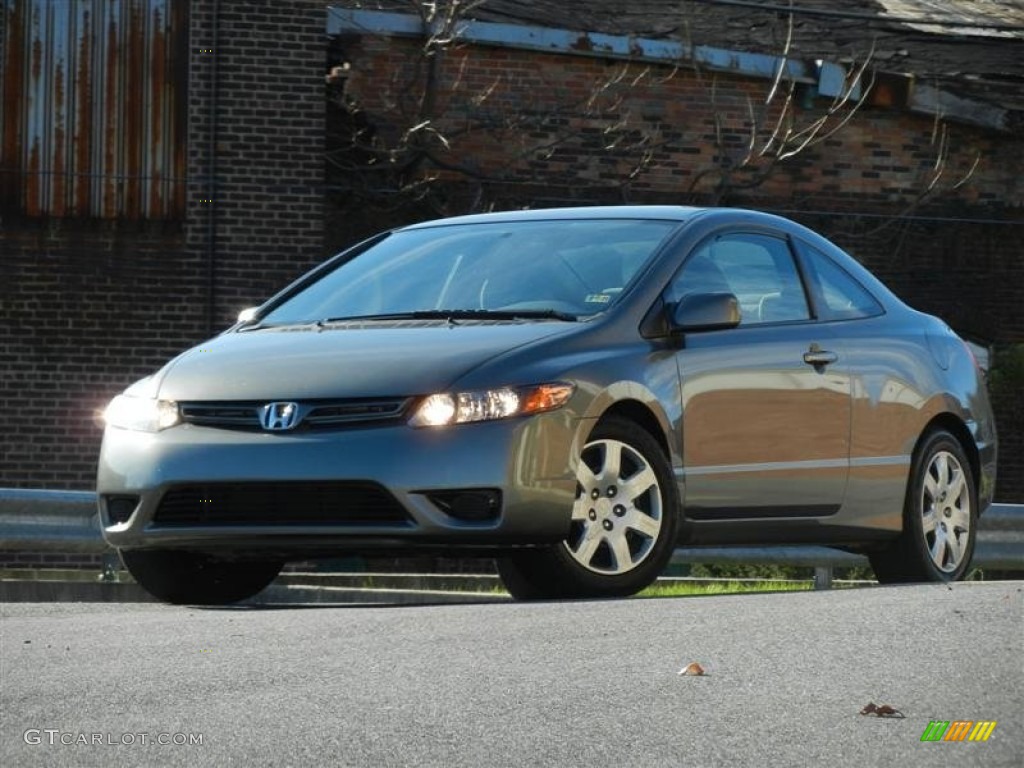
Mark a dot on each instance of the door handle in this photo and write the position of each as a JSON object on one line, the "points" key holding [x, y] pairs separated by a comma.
{"points": [[817, 356]]}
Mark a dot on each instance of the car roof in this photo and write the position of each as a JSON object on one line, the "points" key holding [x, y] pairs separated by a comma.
{"points": [[654, 212]]}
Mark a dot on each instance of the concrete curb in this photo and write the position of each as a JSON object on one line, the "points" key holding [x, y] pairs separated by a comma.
{"points": [[295, 588], [54, 586], [17, 591], [299, 594]]}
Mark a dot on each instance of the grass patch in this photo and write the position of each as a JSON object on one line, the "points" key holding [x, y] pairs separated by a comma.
{"points": [[685, 588]]}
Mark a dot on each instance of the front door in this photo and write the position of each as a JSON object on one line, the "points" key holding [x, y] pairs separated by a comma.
{"points": [[766, 405]]}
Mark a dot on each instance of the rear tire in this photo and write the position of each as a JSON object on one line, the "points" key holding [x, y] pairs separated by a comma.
{"points": [[190, 578], [940, 517], [624, 523]]}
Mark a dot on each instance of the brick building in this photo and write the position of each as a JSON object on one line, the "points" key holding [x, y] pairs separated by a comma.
{"points": [[179, 175], [174, 177]]}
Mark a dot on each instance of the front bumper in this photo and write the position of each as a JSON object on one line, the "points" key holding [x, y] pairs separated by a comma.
{"points": [[529, 460]]}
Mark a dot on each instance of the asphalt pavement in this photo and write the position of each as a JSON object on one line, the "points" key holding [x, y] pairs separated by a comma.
{"points": [[511, 684]]}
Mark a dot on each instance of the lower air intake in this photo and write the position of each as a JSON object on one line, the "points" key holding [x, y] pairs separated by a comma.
{"points": [[285, 503]]}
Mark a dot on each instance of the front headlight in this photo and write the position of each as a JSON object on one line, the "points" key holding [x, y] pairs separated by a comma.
{"points": [[141, 414], [446, 408]]}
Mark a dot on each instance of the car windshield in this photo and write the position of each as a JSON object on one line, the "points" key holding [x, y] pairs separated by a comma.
{"points": [[542, 269]]}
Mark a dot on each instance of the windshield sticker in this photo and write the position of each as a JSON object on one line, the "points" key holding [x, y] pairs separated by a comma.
{"points": [[598, 298]]}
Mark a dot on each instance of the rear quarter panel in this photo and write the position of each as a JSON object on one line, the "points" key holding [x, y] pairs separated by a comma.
{"points": [[900, 387]]}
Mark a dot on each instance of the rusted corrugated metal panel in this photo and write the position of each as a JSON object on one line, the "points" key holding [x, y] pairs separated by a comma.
{"points": [[94, 120]]}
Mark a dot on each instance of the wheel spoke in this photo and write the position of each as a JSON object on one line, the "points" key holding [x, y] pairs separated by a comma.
{"points": [[585, 476], [588, 547], [938, 548], [942, 470], [931, 486], [956, 484], [955, 549], [929, 520], [960, 520], [612, 461], [638, 484], [642, 523], [620, 550]]}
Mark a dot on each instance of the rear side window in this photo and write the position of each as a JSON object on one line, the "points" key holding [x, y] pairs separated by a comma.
{"points": [[842, 296]]}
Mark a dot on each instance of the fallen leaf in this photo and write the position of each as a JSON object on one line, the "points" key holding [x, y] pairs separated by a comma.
{"points": [[694, 669], [883, 710]]}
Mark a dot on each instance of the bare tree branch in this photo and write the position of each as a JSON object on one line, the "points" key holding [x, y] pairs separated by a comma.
{"points": [[436, 120]]}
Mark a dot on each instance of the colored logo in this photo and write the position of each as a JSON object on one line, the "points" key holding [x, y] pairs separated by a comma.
{"points": [[958, 730]]}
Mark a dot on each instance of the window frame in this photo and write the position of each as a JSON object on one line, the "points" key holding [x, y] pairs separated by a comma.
{"points": [[809, 289]]}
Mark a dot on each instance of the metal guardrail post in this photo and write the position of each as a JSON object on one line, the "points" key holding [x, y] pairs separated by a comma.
{"points": [[111, 567], [823, 577]]}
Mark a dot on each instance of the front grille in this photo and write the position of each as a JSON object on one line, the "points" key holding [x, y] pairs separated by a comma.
{"points": [[353, 412], [221, 414], [285, 503], [313, 414]]}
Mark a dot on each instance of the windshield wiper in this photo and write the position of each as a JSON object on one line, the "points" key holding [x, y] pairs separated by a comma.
{"points": [[461, 314], [258, 326]]}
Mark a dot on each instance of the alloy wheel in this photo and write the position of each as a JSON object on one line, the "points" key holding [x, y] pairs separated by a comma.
{"points": [[618, 512], [945, 511]]}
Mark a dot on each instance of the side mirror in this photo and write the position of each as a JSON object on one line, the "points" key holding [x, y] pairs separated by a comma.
{"points": [[247, 315], [705, 312]]}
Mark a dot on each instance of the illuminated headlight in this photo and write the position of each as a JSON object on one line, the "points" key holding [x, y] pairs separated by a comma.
{"points": [[447, 408], [141, 414]]}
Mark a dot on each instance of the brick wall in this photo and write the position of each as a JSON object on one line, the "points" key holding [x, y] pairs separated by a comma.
{"points": [[86, 310], [585, 124], [87, 307], [267, 135]]}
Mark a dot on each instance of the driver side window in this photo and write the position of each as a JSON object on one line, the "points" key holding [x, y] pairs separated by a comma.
{"points": [[757, 269]]}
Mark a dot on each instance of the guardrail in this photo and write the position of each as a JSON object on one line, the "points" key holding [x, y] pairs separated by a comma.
{"points": [[34, 520], [67, 521], [1000, 545]]}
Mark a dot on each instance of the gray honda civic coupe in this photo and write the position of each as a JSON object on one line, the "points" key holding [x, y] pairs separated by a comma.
{"points": [[574, 392]]}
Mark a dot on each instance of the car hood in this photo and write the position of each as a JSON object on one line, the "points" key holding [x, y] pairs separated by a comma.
{"points": [[375, 360]]}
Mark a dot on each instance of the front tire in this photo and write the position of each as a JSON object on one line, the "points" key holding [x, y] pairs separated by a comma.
{"points": [[940, 517], [190, 578], [624, 523]]}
